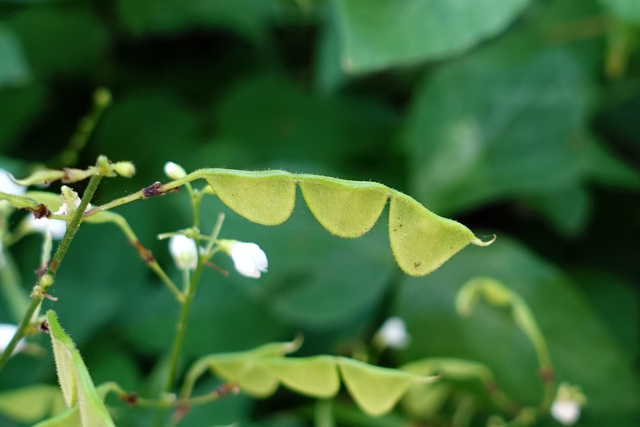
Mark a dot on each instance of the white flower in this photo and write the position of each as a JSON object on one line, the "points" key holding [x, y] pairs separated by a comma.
{"points": [[8, 186], [57, 227], [393, 334], [567, 406], [248, 259], [566, 411], [174, 170], [7, 331], [184, 252]]}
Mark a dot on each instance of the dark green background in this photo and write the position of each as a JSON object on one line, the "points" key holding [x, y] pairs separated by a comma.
{"points": [[518, 118]]}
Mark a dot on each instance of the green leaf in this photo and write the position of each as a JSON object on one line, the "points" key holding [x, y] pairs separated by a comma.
{"points": [[470, 133], [13, 66], [627, 10], [19, 106], [375, 389], [245, 17], [382, 34], [77, 388], [30, 404], [51, 43], [420, 240]]}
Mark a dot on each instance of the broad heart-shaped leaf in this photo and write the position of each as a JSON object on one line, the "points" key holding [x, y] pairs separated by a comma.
{"points": [[375, 389], [421, 240], [381, 34], [32, 403], [77, 388], [627, 10], [258, 373], [327, 201]]}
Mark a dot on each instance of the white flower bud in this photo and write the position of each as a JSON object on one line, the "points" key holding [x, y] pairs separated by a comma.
{"points": [[7, 331], [393, 334], [184, 252], [248, 259], [174, 170], [125, 169]]}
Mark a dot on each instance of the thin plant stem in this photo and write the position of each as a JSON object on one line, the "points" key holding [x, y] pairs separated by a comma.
{"points": [[148, 258], [190, 286], [40, 288], [179, 337], [323, 414]]}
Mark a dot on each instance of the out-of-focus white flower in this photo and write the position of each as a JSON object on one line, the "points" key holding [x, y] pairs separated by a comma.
{"points": [[57, 227], [184, 252], [393, 334], [8, 186], [7, 331], [248, 258], [174, 170], [567, 406]]}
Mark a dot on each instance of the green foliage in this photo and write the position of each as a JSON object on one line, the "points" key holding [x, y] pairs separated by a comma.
{"points": [[32, 403], [387, 34], [517, 119]]}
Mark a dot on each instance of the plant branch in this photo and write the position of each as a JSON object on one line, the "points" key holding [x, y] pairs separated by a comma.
{"points": [[40, 288]]}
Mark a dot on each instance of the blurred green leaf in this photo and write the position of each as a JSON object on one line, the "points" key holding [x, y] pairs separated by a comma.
{"points": [[271, 122], [59, 41], [503, 122], [382, 34], [603, 368], [246, 17], [19, 107], [32, 403], [14, 70], [627, 10], [329, 75]]}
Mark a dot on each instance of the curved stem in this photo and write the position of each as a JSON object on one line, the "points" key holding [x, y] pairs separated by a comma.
{"points": [[39, 290]]}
